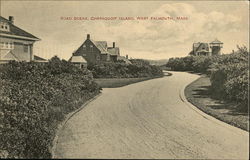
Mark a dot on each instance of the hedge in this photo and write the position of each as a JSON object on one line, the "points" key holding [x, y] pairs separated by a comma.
{"points": [[230, 75], [138, 69], [34, 99]]}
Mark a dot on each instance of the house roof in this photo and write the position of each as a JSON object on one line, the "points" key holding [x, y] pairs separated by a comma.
{"points": [[114, 51], [202, 46], [202, 50], [216, 41], [39, 59], [101, 45], [77, 59], [191, 52], [16, 31], [124, 59]]}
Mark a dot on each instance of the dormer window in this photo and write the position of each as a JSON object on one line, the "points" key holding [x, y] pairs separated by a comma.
{"points": [[4, 26]]}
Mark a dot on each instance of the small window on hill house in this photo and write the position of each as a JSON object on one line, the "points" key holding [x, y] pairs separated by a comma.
{"points": [[91, 48], [84, 47], [98, 57]]}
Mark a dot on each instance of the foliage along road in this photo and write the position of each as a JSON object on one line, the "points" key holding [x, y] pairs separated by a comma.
{"points": [[148, 120]]}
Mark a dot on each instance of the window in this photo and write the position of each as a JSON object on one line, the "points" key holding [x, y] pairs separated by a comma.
{"points": [[91, 48], [25, 48], [4, 26], [11, 45], [7, 45], [98, 57], [84, 47], [2, 45]]}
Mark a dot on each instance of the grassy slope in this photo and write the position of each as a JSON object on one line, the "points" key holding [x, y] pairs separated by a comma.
{"points": [[199, 94]]}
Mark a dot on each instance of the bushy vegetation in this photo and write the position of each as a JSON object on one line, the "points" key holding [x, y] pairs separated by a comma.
{"points": [[34, 99], [138, 69], [191, 63], [229, 73]]}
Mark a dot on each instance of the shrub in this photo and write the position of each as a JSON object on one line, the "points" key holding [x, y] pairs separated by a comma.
{"points": [[228, 73], [34, 98], [139, 68]]}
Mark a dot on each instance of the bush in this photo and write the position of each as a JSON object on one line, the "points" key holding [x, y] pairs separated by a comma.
{"points": [[34, 98], [199, 64], [138, 69], [228, 73]]}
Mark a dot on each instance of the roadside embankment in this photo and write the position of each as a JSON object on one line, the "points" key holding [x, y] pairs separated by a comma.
{"points": [[119, 82], [200, 94]]}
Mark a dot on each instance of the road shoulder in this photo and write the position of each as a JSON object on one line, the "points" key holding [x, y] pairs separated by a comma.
{"points": [[61, 125], [198, 93]]}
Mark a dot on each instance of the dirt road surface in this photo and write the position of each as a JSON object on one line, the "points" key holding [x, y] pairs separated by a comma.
{"points": [[148, 120]]}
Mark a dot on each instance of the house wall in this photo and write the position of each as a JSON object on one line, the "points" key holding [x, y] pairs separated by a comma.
{"points": [[80, 65], [91, 55], [104, 57], [216, 50], [23, 50]]}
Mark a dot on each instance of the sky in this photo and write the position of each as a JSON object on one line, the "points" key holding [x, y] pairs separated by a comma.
{"points": [[203, 21]]}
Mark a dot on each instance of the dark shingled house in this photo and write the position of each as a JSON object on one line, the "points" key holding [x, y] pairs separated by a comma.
{"points": [[93, 51], [97, 51]]}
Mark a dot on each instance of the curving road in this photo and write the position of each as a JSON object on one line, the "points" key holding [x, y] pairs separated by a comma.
{"points": [[148, 120]]}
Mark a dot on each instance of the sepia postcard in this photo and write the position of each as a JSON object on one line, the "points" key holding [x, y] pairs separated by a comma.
{"points": [[124, 79]]}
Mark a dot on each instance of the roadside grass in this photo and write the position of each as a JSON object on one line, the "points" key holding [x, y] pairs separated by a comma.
{"points": [[200, 94], [120, 82]]}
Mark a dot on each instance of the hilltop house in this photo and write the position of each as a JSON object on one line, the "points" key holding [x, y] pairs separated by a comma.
{"points": [[15, 43], [202, 49], [95, 52]]}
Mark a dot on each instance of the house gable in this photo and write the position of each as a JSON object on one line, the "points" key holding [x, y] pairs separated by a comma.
{"points": [[17, 42], [89, 51], [14, 31]]}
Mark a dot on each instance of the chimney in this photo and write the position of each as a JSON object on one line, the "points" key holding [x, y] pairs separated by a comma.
{"points": [[113, 44], [88, 36], [11, 19], [126, 56]]}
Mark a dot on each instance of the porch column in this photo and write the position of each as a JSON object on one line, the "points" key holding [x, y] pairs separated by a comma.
{"points": [[30, 48]]}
